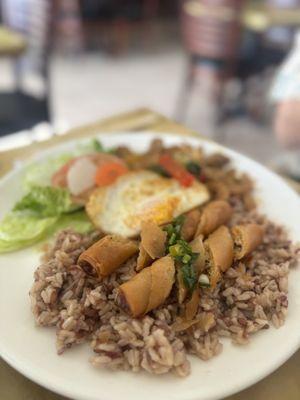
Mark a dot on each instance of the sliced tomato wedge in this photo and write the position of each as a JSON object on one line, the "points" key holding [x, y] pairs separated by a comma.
{"points": [[109, 172], [59, 178], [176, 170]]}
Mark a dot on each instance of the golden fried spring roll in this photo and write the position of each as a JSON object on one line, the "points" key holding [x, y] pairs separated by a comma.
{"points": [[219, 246], [162, 279], [215, 214], [148, 289], [197, 246], [214, 274], [191, 306], [219, 190], [133, 296], [106, 255], [190, 224], [219, 253], [152, 246], [181, 325], [246, 238], [153, 239], [181, 288], [143, 260]]}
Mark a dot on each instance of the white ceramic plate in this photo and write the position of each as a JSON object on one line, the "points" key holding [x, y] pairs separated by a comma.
{"points": [[31, 350]]}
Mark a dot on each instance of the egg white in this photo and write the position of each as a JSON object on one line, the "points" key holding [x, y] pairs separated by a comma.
{"points": [[140, 196]]}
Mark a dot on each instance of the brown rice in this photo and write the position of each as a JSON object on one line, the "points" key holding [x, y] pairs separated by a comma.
{"points": [[252, 295]]}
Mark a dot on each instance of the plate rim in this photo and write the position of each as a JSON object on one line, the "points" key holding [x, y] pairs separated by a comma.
{"points": [[29, 373]]}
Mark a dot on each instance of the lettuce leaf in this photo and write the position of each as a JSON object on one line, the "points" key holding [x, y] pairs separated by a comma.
{"points": [[78, 221], [40, 172], [47, 201], [19, 230]]}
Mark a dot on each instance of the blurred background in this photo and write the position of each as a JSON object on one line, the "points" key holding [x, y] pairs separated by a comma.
{"points": [[218, 66]]}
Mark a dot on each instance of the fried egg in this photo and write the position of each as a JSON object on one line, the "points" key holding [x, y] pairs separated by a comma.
{"points": [[142, 196]]}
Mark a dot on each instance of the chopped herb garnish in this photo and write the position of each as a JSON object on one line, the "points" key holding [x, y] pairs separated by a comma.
{"points": [[159, 170], [182, 252], [189, 276], [204, 281], [98, 146], [194, 168]]}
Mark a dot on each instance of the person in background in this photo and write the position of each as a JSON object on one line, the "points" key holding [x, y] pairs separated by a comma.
{"points": [[285, 94]]}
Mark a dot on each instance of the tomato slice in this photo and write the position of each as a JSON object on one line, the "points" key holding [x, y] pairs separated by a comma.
{"points": [[59, 178], [176, 170], [108, 172]]}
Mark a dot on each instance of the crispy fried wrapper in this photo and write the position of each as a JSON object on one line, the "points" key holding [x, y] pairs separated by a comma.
{"points": [[215, 214], [219, 253], [152, 246], [246, 239], [219, 190], [190, 224], [197, 246], [153, 239], [191, 306], [181, 288], [143, 260], [106, 255], [148, 289], [205, 321]]}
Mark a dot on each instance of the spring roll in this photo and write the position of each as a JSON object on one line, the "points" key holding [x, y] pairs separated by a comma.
{"points": [[143, 260], [219, 253], [197, 246], [246, 238], [190, 224], [162, 279], [219, 190], [153, 239], [219, 246], [148, 289], [106, 255], [215, 214], [152, 246], [181, 288], [191, 306]]}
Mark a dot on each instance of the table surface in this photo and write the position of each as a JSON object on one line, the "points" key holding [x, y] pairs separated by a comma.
{"points": [[283, 383], [12, 43]]}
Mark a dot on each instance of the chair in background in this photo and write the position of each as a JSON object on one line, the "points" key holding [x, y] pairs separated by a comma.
{"points": [[28, 103], [113, 22], [211, 34]]}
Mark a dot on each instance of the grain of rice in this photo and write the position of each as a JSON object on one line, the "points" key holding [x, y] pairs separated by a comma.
{"points": [[249, 298]]}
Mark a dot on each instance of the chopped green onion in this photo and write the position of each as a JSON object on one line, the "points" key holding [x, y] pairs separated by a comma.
{"points": [[186, 259], [176, 250], [194, 168], [172, 239], [204, 280], [98, 145], [189, 276], [159, 170]]}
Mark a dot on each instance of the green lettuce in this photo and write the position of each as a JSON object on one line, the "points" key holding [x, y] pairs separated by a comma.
{"points": [[40, 172], [45, 209], [19, 230], [38, 215], [47, 201], [78, 221]]}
